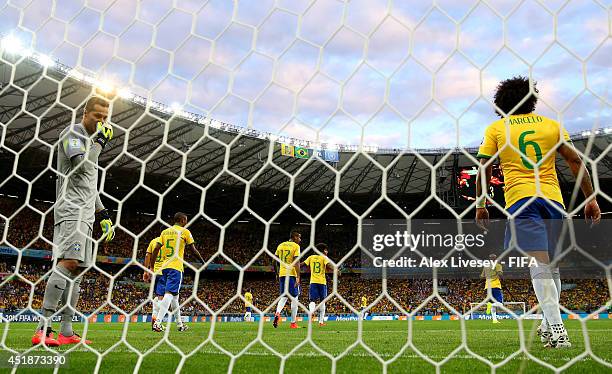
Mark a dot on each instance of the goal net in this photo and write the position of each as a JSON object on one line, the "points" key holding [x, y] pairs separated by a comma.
{"points": [[341, 121]]}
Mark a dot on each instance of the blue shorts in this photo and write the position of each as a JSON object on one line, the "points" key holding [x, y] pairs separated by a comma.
{"points": [[538, 226], [160, 289], [497, 294], [168, 282], [293, 291], [248, 309], [317, 292]]}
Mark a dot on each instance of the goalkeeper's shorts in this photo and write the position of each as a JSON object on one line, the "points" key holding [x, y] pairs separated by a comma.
{"points": [[538, 225], [72, 241]]}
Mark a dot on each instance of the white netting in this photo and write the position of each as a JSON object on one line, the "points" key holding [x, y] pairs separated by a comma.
{"points": [[410, 84]]}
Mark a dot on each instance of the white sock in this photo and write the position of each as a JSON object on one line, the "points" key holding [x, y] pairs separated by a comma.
{"points": [[557, 280], [294, 310], [311, 307], [249, 318], [281, 304], [546, 292], [494, 312], [322, 315], [155, 307], [176, 310], [164, 305]]}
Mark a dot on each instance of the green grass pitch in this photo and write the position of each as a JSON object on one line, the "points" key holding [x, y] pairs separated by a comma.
{"points": [[435, 339]]}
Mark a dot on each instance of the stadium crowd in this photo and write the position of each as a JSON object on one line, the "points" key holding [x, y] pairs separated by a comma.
{"points": [[241, 243], [219, 293]]}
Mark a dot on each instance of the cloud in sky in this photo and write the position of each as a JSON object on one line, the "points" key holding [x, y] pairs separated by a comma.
{"points": [[411, 74]]}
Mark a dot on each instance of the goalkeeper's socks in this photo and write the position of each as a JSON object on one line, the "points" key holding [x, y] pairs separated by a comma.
{"points": [[71, 295], [56, 285], [281, 304], [164, 305], [294, 309]]}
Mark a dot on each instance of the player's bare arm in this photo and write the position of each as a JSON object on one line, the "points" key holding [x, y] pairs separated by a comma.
{"points": [[577, 166], [297, 271], [276, 267], [146, 276], [482, 214], [193, 248], [154, 254]]}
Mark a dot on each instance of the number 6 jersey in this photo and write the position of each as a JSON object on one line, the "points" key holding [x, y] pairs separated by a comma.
{"points": [[537, 138]]}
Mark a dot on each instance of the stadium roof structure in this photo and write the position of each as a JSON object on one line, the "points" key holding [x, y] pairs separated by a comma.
{"points": [[39, 98]]}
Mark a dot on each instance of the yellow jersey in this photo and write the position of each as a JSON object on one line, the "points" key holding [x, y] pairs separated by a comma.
{"points": [[287, 252], [535, 136], [248, 299], [158, 262], [317, 265], [364, 301], [492, 276], [173, 241]]}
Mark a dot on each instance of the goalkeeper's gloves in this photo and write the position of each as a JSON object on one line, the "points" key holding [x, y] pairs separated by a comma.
{"points": [[108, 232], [105, 133]]}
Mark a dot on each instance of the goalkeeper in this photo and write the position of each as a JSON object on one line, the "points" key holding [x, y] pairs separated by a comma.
{"points": [[77, 202]]}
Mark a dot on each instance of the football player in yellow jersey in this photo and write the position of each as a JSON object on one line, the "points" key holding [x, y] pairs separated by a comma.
{"points": [[248, 305], [170, 250], [492, 281], [318, 283], [364, 305], [526, 142], [158, 288], [146, 276], [288, 276]]}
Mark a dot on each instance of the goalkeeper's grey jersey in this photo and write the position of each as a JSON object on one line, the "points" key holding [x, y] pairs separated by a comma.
{"points": [[76, 192]]}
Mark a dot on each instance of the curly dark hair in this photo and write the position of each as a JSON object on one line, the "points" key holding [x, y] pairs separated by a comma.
{"points": [[510, 92]]}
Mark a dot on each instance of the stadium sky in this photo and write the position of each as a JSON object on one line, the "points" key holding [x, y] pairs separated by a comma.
{"points": [[371, 78]]}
